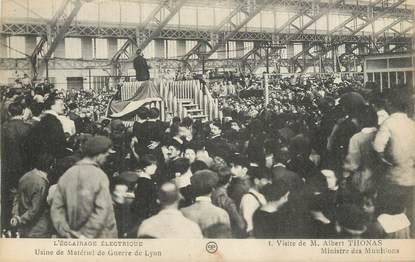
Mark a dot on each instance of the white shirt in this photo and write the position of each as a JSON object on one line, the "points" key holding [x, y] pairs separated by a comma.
{"points": [[68, 125], [169, 223], [183, 180], [382, 115], [249, 204], [396, 139]]}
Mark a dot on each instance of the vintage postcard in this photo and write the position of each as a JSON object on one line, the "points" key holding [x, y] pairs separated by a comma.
{"points": [[195, 130]]}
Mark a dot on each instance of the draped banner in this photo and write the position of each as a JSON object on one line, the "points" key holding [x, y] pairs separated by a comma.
{"points": [[134, 95]]}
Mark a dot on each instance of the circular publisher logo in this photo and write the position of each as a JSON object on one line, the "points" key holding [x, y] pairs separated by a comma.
{"points": [[211, 247]]}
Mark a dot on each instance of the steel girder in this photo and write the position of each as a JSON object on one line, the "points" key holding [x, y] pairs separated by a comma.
{"points": [[397, 39], [377, 16], [227, 36], [59, 12], [166, 33], [313, 44], [153, 14], [386, 28], [191, 52], [130, 41], [319, 13], [336, 43], [346, 8], [60, 33], [93, 31], [155, 33], [80, 64], [52, 24], [277, 31], [226, 20]]}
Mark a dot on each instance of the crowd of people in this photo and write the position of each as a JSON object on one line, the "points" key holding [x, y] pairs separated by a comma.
{"points": [[323, 160], [287, 95]]}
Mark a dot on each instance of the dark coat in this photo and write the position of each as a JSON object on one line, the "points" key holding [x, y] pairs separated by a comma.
{"points": [[271, 225], [141, 69], [145, 204], [218, 146], [14, 159], [141, 132], [32, 207], [47, 137]]}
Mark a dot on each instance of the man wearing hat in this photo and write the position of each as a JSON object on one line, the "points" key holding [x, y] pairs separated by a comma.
{"points": [[82, 204], [141, 67], [203, 212]]}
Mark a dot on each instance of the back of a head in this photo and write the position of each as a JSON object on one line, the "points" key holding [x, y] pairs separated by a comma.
{"points": [[146, 160], [176, 120], [50, 101], [180, 165], [198, 145], [368, 117], [15, 109], [399, 98], [274, 192], [300, 144], [36, 108], [187, 122], [96, 145], [198, 125], [352, 102], [351, 217], [168, 194], [198, 165], [143, 112], [224, 174], [255, 126], [43, 161], [154, 113], [10, 93], [203, 182], [239, 160]]}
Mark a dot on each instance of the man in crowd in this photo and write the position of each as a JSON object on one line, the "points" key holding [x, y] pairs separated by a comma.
{"points": [[140, 139], [221, 199], [203, 212], [269, 221], [395, 144], [14, 157], [48, 135], [216, 144], [44, 87], [169, 222], [82, 204]]}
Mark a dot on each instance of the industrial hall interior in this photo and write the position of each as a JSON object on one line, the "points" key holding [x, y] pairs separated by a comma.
{"points": [[191, 119]]}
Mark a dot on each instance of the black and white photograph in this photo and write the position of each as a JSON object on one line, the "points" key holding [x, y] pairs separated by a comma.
{"points": [[208, 120]]}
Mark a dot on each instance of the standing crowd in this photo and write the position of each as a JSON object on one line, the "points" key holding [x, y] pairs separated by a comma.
{"points": [[321, 161]]}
